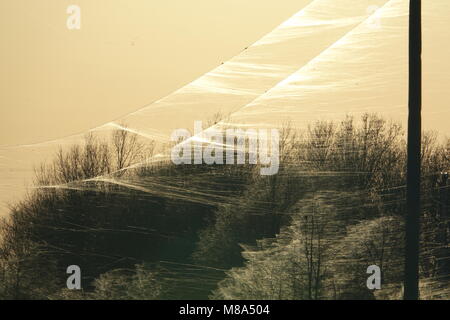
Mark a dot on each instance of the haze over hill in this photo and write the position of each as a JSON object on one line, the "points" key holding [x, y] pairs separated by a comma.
{"points": [[331, 59]]}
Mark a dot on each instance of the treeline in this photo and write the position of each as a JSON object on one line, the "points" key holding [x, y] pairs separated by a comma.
{"points": [[349, 179], [109, 208], [146, 229]]}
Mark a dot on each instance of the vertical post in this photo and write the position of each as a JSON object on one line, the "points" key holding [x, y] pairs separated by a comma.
{"points": [[412, 226]]}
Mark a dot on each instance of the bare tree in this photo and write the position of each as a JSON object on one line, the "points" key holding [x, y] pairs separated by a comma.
{"points": [[126, 146]]}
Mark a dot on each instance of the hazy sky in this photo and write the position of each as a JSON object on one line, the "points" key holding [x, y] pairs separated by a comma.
{"points": [[329, 60], [55, 82]]}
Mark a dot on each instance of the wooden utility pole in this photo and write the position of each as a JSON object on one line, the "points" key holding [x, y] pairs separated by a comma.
{"points": [[412, 225]]}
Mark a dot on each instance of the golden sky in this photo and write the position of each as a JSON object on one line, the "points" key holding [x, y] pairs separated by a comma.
{"points": [[56, 82], [328, 58]]}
